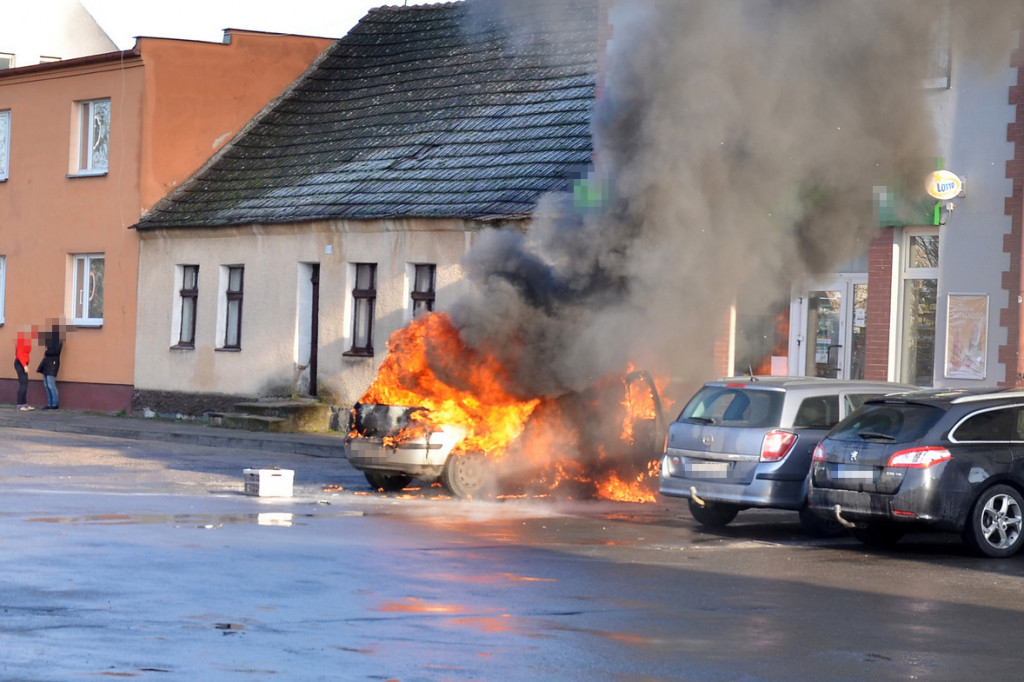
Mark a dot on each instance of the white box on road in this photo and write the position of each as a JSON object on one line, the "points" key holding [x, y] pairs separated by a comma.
{"points": [[269, 482]]}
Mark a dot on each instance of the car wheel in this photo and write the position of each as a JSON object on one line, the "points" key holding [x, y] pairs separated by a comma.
{"points": [[820, 526], [713, 514], [996, 522], [389, 483], [878, 535], [465, 475]]}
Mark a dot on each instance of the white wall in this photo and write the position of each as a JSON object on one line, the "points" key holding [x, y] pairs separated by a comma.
{"points": [[267, 363], [50, 28]]}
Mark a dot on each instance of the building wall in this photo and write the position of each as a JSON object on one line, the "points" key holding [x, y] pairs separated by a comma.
{"points": [[268, 363], [200, 95], [62, 29], [972, 118], [1012, 316], [47, 213]]}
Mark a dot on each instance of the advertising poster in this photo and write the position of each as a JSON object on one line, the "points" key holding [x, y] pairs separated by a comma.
{"points": [[966, 336]]}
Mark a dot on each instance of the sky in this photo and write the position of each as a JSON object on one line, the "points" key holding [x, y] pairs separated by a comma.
{"points": [[207, 19]]}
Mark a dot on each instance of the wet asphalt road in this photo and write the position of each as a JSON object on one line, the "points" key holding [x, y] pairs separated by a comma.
{"points": [[144, 560]]}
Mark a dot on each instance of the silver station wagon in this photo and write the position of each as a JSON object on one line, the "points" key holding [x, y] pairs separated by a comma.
{"points": [[746, 442]]}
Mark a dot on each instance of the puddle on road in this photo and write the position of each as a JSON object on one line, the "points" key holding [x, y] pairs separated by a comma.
{"points": [[186, 520]]}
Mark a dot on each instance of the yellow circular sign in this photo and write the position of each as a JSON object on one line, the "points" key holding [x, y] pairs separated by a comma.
{"points": [[944, 185]]}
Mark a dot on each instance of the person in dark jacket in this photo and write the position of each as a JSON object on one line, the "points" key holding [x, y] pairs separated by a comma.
{"points": [[53, 340]]}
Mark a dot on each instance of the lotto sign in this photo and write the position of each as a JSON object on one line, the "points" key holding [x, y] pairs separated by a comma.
{"points": [[944, 185]]}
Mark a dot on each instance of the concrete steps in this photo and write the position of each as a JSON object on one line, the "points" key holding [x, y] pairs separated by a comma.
{"points": [[277, 416]]}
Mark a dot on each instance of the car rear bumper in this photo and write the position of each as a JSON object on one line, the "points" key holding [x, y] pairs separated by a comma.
{"points": [[913, 507], [765, 490]]}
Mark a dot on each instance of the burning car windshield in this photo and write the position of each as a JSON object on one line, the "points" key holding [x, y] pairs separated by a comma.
{"points": [[734, 406], [898, 422]]}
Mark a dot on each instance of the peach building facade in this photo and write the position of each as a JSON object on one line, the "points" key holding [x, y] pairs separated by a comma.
{"points": [[86, 146]]}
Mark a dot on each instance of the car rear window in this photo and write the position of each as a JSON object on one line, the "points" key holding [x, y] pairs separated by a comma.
{"points": [[897, 422], [734, 406]]}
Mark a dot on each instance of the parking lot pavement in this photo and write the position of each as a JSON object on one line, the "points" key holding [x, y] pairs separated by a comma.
{"points": [[329, 444]]}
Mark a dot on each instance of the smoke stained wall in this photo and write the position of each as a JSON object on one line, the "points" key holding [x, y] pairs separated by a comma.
{"points": [[739, 141]]}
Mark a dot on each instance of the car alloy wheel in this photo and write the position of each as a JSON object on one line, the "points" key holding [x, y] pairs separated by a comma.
{"points": [[997, 521]]}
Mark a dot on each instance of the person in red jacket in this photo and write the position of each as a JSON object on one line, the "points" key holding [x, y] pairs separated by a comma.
{"points": [[22, 355]]}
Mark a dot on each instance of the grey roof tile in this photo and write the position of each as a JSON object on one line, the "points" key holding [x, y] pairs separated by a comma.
{"points": [[422, 111]]}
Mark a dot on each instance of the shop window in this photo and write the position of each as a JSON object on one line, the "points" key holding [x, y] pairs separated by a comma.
{"points": [[918, 304]]}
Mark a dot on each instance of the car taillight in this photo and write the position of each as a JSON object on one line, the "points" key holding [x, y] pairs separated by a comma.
{"points": [[919, 458], [819, 453], [776, 445]]}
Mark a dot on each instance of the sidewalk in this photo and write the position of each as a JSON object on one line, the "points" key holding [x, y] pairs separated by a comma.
{"points": [[330, 444]]}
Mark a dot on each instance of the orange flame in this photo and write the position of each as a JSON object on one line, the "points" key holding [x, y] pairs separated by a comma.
{"points": [[471, 396], [562, 443]]}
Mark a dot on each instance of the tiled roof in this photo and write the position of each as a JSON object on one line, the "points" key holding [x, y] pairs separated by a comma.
{"points": [[421, 111]]}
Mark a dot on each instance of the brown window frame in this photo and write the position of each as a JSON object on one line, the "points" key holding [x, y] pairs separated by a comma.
{"points": [[233, 299], [364, 302], [423, 299], [189, 297]]}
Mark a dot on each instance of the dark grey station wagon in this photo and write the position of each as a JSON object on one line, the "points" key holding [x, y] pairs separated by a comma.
{"points": [[945, 460]]}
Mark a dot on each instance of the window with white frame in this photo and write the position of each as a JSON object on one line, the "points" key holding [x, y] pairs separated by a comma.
{"points": [[423, 277], [93, 136], [232, 280], [920, 273], [364, 300], [5, 143], [87, 304], [6, 60], [187, 277], [3, 286]]}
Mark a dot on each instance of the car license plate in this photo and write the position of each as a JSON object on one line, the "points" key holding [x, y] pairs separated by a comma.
{"points": [[849, 472], [709, 469]]}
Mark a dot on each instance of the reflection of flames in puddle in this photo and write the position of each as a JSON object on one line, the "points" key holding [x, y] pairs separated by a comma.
{"points": [[600, 443], [457, 614]]}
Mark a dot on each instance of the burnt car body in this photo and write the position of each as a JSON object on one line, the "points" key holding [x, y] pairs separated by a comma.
{"points": [[746, 442], [392, 448], [944, 460]]}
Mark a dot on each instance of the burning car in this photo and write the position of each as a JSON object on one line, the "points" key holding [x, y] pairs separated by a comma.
{"points": [[611, 458], [392, 448]]}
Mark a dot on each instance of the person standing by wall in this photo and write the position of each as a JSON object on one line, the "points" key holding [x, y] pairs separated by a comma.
{"points": [[22, 356], [53, 340]]}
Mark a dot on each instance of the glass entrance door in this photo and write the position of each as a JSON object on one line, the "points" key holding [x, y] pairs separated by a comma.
{"points": [[834, 329]]}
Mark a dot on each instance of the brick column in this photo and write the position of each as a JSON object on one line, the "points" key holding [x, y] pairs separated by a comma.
{"points": [[879, 313], [1013, 243]]}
